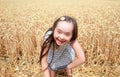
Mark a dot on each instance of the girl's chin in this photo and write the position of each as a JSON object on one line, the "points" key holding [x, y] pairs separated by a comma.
{"points": [[60, 44]]}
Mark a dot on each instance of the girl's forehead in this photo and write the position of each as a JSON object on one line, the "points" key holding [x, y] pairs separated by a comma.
{"points": [[65, 26]]}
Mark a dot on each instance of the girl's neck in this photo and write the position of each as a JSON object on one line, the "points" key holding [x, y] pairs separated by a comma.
{"points": [[56, 46]]}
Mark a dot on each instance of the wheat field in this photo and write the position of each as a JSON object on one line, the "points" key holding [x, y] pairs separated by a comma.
{"points": [[24, 22]]}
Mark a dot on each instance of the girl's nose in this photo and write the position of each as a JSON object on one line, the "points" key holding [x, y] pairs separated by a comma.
{"points": [[61, 37]]}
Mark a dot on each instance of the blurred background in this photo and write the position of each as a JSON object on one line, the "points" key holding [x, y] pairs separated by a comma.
{"points": [[24, 22]]}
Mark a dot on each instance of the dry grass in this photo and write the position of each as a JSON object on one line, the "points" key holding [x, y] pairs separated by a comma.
{"points": [[23, 23]]}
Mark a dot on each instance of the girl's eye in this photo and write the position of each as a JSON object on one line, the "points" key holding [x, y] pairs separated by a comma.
{"points": [[67, 34], [59, 32]]}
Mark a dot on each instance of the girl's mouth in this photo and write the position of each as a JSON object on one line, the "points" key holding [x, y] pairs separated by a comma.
{"points": [[59, 42]]}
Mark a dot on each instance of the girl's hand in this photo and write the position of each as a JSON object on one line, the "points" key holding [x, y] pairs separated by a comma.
{"points": [[69, 72]]}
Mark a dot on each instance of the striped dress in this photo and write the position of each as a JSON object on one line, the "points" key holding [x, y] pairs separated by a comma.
{"points": [[63, 55]]}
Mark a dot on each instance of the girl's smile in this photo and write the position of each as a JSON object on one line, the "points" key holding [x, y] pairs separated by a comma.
{"points": [[59, 41]]}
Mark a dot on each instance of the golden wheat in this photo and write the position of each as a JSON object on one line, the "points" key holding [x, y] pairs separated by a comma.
{"points": [[23, 24]]}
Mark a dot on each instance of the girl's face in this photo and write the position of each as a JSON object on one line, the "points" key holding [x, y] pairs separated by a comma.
{"points": [[63, 32]]}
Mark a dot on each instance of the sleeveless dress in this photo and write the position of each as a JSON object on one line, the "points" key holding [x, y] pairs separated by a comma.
{"points": [[63, 55]]}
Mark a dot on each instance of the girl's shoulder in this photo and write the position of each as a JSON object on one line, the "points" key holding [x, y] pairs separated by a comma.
{"points": [[48, 33], [47, 36]]}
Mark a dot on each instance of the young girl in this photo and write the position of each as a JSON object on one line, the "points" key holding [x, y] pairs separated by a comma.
{"points": [[60, 49]]}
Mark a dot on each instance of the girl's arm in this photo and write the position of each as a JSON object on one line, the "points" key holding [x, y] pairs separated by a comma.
{"points": [[44, 64], [80, 56]]}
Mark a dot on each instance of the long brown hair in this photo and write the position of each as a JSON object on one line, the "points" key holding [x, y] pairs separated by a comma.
{"points": [[50, 40]]}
